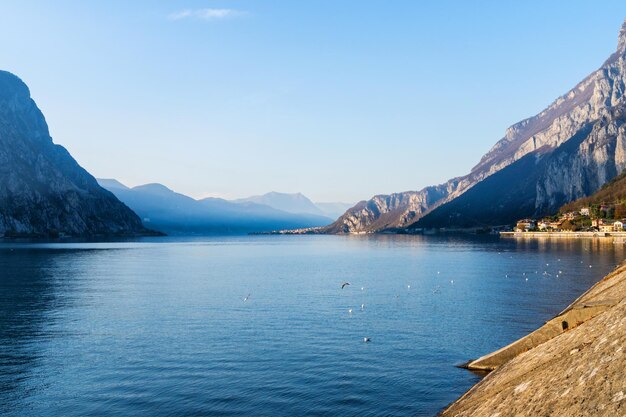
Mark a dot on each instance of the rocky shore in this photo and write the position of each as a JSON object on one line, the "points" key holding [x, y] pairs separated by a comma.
{"points": [[574, 365]]}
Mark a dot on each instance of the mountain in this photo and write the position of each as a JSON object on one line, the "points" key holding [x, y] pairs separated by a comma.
{"points": [[171, 212], [111, 184], [291, 203], [297, 203], [567, 151], [613, 193], [43, 190], [333, 210]]}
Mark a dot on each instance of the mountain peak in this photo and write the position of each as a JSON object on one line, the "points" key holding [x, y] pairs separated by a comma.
{"points": [[621, 39], [110, 183]]}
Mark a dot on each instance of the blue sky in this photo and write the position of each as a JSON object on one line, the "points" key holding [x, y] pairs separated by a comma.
{"points": [[339, 100]]}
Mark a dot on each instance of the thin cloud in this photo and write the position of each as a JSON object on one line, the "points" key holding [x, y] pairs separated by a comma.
{"points": [[206, 14]]}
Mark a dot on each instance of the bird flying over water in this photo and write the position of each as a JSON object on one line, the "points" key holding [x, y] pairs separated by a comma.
{"points": [[246, 297], [344, 284], [366, 339]]}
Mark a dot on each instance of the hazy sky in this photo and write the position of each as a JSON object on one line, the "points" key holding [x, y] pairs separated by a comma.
{"points": [[337, 99]]}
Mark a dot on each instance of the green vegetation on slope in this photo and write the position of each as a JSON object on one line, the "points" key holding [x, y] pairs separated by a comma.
{"points": [[609, 201]]}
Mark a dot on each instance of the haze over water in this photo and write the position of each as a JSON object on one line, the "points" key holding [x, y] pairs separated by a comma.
{"points": [[162, 327]]}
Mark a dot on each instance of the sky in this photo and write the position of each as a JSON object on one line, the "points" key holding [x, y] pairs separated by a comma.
{"points": [[339, 100]]}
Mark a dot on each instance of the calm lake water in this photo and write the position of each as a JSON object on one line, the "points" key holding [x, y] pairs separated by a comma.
{"points": [[162, 328]]}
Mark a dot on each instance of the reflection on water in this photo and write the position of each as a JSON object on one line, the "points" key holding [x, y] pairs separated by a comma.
{"points": [[161, 327]]}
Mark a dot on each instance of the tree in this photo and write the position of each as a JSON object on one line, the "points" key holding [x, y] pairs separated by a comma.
{"points": [[569, 225], [594, 210], [620, 211]]}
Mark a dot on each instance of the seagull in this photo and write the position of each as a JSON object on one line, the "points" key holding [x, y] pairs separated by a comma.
{"points": [[344, 284], [526, 279], [362, 307], [451, 281], [349, 311], [366, 339], [408, 287], [246, 297], [362, 288]]}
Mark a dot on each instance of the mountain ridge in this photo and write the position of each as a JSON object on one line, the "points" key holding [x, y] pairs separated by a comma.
{"points": [[172, 212], [288, 202], [589, 101], [44, 192]]}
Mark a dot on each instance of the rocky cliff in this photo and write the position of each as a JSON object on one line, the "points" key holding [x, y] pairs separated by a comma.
{"points": [[43, 190], [594, 106]]}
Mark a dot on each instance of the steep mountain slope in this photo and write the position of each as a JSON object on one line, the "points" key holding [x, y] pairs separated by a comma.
{"points": [[165, 210], [43, 190], [593, 99], [291, 203], [611, 193]]}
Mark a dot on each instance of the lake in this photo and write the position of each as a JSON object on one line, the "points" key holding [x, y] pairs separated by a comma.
{"points": [[259, 325]]}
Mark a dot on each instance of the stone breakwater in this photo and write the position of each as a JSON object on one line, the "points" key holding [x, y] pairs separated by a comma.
{"points": [[574, 365]]}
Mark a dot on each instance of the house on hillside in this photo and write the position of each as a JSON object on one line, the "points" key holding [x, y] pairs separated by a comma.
{"points": [[571, 215], [597, 223], [607, 227], [585, 211], [618, 226], [548, 225], [525, 224]]}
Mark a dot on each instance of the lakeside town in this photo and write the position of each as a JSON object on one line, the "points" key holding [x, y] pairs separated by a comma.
{"points": [[603, 218]]}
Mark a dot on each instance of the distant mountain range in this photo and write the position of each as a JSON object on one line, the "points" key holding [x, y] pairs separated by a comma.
{"points": [[291, 203], [567, 151], [45, 193], [43, 190], [297, 203], [167, 211]]}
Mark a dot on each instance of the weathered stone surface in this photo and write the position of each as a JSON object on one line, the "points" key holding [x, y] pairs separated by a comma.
{"points": [[43, 190], [579, 372], [598, 101]]}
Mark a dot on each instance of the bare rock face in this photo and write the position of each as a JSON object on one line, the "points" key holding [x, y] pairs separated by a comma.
{"points": [[43, 190], [598, 98]]}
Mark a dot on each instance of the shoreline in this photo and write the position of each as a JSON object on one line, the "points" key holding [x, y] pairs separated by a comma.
{"points": [[572, 365], [561, 235]]}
